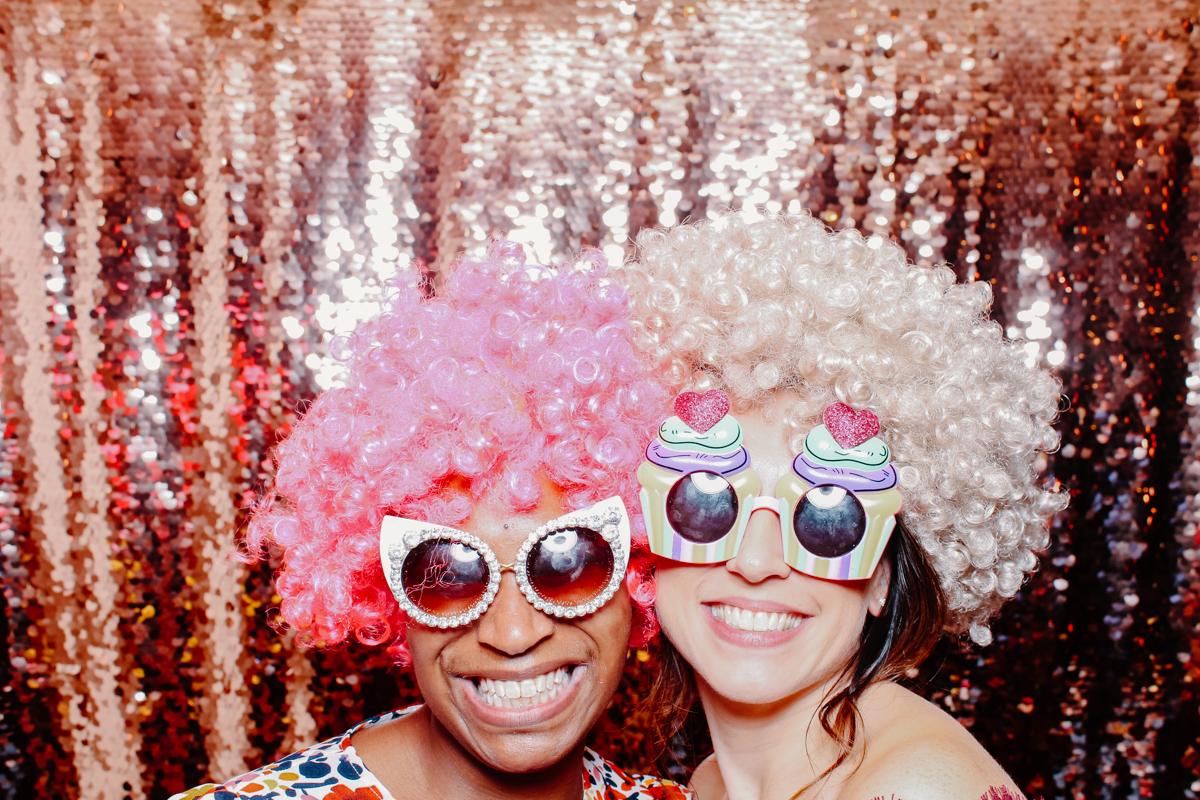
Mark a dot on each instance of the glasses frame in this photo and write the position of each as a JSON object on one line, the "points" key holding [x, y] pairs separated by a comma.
{"points": [[665, 541], [880, 508], [399, 536]]}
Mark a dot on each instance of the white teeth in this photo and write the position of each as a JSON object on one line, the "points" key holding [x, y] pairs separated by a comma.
{"points": [[520, 694], [747, 620]]}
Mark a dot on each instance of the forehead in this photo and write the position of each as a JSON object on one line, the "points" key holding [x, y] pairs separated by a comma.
{"points": [[765, 431], [766, 440], [495, 522]]}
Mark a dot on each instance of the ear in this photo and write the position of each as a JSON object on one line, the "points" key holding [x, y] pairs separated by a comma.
{"points": [[878, 587]]}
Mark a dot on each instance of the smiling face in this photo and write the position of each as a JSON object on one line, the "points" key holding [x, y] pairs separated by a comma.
{"points": [[755, 630], [562, 671]]}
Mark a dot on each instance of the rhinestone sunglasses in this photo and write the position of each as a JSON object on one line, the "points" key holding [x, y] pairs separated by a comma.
{"points": [[445, 578]]}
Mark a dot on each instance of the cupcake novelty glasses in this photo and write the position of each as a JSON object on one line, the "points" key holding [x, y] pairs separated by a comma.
{"points": [[569, 567], [837, 506], [828, 531]]}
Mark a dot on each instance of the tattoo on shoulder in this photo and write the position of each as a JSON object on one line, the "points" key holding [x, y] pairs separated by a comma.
{"points": [[1002, 793], [993, 793]]}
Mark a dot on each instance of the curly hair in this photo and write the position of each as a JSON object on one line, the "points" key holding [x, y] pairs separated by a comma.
{"points": [[783, 303], [511, 371]]}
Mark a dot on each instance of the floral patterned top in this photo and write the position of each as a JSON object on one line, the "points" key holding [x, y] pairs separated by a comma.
{"points": [[332, 770]]}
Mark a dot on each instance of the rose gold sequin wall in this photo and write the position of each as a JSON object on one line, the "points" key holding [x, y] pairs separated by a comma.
{"points": [[195, 196]]}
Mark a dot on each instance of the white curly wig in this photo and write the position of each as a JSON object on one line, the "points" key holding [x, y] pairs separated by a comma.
{"points": [[783, 303]]}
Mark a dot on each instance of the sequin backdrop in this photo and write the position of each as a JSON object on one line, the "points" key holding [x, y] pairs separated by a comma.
{"points": [[195, 195]]}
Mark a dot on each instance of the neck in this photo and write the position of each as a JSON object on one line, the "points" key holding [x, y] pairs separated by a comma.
{"points": [[769, 750]]}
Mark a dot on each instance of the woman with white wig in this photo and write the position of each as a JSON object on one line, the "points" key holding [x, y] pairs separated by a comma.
{"points": [[851, 469]]}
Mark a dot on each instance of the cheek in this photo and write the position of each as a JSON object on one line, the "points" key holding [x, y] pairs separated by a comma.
{"points": [[424, 646], [610, 627], [847, 617], [675, 593]]}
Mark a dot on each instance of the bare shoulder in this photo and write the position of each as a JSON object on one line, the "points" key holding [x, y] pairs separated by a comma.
{"points": [[916, 751], [706, 781]]}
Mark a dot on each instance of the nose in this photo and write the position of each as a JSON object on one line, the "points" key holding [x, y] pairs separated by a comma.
{"points": [[511, 625], [760, 556]]}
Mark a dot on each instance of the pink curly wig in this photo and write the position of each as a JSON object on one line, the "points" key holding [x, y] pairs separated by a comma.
{"points": [[510, 372]]}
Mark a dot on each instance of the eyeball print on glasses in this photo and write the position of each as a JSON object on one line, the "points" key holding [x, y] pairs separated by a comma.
{"points": [[837, 506], [569, 567]]}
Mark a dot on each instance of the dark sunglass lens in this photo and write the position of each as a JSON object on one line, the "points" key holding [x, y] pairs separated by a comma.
{"points": [[829, 521], [702, 507], [444, 578], [570, 566]]}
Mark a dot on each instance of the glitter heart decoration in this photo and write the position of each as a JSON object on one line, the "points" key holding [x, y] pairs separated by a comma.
{"points": [[702, 411], [848, 427]]}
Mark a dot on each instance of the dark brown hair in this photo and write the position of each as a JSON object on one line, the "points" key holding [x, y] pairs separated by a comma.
{"points": [[896, 641]]}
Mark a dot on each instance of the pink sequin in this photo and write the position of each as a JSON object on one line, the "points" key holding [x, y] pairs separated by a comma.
{"points": [[848, 427], [702, 411]]}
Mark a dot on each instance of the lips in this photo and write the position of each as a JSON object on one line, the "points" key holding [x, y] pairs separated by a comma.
{"points": [[753, 623]]}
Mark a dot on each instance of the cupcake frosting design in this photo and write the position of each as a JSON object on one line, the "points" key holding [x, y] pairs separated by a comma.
{"points": [[724, 437], [863, 467], [681, 448], [823, 448], [685, 461], [702, 436]]}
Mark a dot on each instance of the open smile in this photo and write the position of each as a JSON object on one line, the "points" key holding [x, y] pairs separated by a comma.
{"points": [[523, 700], [749, 620], [765, 626], [527, 692]]}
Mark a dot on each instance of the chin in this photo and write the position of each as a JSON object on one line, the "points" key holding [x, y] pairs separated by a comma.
{"points": [[520, 754], [748, 695], [757, 675], [753, 684], [519, 738]]}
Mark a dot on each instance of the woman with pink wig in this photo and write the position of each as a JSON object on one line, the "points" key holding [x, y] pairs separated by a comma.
{"points": [[468, 499]]}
